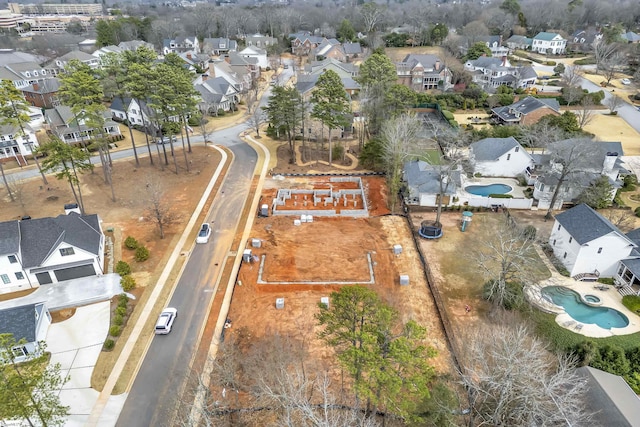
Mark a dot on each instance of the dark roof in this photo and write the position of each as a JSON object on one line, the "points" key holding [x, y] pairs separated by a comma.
{"points": [[9, 237], [427, 61], [352, 48], [44, 86], [37, 238], [610, 398], [423, 177], [20, 322], [634, 235], [486, 62], [585, 225], [524, 107], [492, 148]]}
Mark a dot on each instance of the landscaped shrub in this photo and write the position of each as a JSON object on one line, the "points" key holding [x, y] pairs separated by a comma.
{"points": [[632, 302], [130, 243], [123, 299], [637, 211], [117, 320], [606, 281], [630, 183], [128, 283], [123, 268], [611, 358], [121, 311], [337, 151], [109, 344], [142, 254], [447, 115], [586, 61], [115, 331], [501, 196]]}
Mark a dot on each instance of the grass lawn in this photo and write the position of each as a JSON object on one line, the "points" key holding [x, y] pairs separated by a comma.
{"points": [[431, 156]]}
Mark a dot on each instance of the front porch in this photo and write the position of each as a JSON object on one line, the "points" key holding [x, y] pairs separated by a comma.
{"points": [[627, 277]]}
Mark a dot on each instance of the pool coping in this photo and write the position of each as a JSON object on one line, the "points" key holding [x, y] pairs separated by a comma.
{"points": [[609, 298]]}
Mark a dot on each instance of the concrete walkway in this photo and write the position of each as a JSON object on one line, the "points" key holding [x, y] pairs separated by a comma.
{"points": [[76, 344], [107, 407], [71, 293]]}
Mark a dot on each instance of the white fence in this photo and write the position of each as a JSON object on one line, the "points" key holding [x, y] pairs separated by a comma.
{"points": [[487, 202]]}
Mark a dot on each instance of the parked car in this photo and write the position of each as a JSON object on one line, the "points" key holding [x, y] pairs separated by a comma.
{"points": [[625, 81], [165, 320], [204, 234], [165, 140]]}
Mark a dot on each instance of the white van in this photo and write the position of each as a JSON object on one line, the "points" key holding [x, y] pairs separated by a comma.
{"points": [[165, 321]]}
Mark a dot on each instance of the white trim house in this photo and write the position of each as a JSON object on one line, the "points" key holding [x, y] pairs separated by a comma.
{"points": [[548, 43], [29, 323], [586, 243], [499, 157], [49, 250], [16, 146]]}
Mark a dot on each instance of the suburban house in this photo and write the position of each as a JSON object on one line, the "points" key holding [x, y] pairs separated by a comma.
{"points": [[490, 73], [49, 250], [217, 94], [303, 43], [329, 48], [603, 159], [347, 71], [422, 184], [219, 46], [245, 63], [28, 323], [56, 66], [631, 37], [587, 244], [194, 61], [180, 44], [423, 72], [15, 145], [609, 399], [499, 157], [23, 74], [140, 115], [105, 50], [341, 68], [258, 40], [519, 42], [582, 40], [43, 93], [306, 82], [260, 55], [62, 122], [494, 43], [352, 51], [527, 111], [133, 45], [238, 75], [548, 43]]}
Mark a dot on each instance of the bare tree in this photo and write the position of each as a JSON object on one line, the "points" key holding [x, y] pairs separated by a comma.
{"points": [[572, 76], [621, 218], [204, 131], [372, 15], [585, 113], [158, 209], [540, 134], [399, 143], [256, 120], [602, 51], [614, 102], [611, 66], [17, 189], [504, 260], [513, 379]]}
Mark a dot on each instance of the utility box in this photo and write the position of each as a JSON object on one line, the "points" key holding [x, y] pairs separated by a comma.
{"points": [[324, 301], [256, 243], [279, 303], [246, 255], [264, 210], [404, 279], [296, 222], [397, 249]]}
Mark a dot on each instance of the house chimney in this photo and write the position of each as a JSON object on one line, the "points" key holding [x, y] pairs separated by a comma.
{"points": [[188, 55], [504, 61], [205, 76], [36, 86], [227, 59], [212, 70], [437, 65]]}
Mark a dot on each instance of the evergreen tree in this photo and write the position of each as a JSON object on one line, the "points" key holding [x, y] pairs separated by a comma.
{"points": [[283, 113]]}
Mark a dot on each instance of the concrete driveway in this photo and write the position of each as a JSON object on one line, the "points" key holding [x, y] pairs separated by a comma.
{"points": [[76, 344]]}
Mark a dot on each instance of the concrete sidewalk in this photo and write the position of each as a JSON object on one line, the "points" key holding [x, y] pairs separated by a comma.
{"points": [[71, 293]]}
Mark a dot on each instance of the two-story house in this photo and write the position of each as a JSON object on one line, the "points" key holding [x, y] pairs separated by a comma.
{"points": [[28, 323], [258, 40], [352, 51], [548, 43], [14, 144], [62, 122], [527, 111], [303, 43], [48, 250], [329, 48], [519, 42], [423, 72], [139, 115], [43, 93], [423, 186], [490, 73], [219, 46], [582, 40], [260, 55], [217, 94], [601, 159], [180, 44], [57, 66], [346, 71], [494, 43], [499, 157]]}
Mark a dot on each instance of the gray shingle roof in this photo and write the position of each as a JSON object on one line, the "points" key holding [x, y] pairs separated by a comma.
{"points": [[20, 322], [424, 178], [545, 36], [9, 237], [486, 62], [51, 85], [352, 48], [427, 61], [524, 107], [610, 399], [585, 225], [489, 149]]}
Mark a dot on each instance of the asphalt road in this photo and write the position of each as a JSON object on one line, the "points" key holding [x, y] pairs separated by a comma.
{"points": [[165, 368]]}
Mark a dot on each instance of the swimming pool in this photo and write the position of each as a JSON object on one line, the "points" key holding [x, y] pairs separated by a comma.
{"points": [[485, 190], [604, 317]]}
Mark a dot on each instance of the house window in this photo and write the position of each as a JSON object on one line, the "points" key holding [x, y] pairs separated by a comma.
{"points": [[508, 156], [570, 239], [517, 149], [13, 259], [564, 256], [5, 279], [19, 276], [599, 250], [559, 227], [20, 351], [554, 242], [66, 251]]}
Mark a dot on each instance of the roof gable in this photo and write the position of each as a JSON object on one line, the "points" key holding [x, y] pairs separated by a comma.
{"points": [[9, 237], [585, 224], [490, 149], [20, 322], [548, 36]]}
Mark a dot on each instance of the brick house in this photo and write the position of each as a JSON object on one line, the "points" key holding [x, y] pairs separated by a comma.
{"points": [[423, 72], [526, 111]]}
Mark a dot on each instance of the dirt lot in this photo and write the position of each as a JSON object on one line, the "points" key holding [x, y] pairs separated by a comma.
{"points": [[332, 249]]}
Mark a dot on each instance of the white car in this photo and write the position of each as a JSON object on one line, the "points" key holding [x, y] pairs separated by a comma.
{"points": [[204, 234], [165, 321], [625, 81]]}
